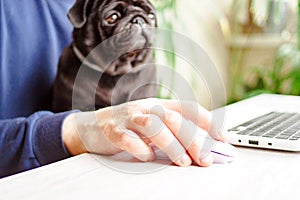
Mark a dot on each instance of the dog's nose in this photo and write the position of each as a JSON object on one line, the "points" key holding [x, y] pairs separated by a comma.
{"points": [[140, 21]]}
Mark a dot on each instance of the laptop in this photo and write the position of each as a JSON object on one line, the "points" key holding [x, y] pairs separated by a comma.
{"points": [[265, 121]]}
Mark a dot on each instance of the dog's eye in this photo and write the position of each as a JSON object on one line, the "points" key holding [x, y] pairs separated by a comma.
{"points": [[113, 18], [151, 16]]}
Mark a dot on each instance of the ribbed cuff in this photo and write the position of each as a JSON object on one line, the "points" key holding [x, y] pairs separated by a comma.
{"points": [[48, 144]]}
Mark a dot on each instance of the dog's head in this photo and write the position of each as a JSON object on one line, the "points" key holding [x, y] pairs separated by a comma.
{"points": [[127, 21]]}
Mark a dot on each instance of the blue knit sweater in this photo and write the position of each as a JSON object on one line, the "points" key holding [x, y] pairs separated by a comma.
{"points": [[33, 34]]}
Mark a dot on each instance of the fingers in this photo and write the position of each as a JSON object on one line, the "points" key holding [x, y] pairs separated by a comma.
{"points": [[191, 111], [196, 140], [194, 112], [137, 147], [179, 128], [160, 135], [129, 141]]}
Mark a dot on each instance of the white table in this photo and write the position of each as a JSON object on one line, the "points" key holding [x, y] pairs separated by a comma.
{"points": [[256, 174]]}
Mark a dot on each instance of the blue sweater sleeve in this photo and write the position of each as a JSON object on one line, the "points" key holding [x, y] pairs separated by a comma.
{"points": [[33, 34], [26, 143]]}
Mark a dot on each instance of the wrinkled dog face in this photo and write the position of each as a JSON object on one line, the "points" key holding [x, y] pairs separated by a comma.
{"points": [[127, 21]]}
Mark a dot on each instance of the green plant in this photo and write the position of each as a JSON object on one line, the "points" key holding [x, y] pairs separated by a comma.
{"points": [[239, 28], [167, 16], [284, 76]]}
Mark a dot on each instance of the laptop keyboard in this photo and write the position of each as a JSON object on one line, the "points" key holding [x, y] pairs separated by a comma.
{"points": [[285, 126]]}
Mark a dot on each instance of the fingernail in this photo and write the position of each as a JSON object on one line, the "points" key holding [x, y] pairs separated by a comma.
{"points": [[219, 135], [206, 161], [145, 157], [151, 157], [225, 136], [185, 160]]}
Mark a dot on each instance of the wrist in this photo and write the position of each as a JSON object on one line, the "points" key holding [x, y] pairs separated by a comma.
{"points": [[71, 137]]}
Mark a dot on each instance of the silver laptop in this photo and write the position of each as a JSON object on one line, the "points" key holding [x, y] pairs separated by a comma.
{"points": [[265, 121]]}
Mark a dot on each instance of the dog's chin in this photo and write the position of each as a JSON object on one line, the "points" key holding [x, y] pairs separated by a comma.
{"points": [[128, 63]]}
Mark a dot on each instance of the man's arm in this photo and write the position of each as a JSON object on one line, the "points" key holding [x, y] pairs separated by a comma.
{"points": [[27, 143]]}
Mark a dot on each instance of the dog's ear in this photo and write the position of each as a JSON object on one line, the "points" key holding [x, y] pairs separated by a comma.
{"points": [[79, 12]]}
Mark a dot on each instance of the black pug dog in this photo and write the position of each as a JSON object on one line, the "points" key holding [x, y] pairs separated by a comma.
{"points": [[120, 69]]}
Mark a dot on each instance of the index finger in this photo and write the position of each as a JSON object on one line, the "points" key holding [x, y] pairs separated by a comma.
{"points": [[192, 111]]}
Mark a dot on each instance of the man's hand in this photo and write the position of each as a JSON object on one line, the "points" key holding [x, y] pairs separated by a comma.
{"points": [[179, 128]]}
